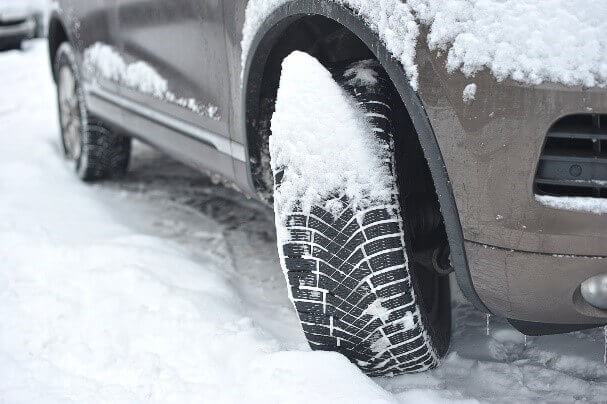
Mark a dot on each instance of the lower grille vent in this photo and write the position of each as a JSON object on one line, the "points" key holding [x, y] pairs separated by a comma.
{"points": [[574, 159]]}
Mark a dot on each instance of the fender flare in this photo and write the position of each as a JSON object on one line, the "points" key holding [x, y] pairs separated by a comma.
{"points": [[55, 18], [263, 42]]}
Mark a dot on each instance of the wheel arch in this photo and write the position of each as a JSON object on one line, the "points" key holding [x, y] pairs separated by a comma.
{"points": [[57, 34], [254, 74]]}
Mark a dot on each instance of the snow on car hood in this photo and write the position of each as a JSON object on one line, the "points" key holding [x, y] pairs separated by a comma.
{"points": [[559, 41]]}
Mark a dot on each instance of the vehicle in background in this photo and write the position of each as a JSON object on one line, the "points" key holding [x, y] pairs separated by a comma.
{"points": [[21, 20]]}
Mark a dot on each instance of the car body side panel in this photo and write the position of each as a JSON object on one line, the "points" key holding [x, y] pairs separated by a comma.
{"points": [[90, 22], [183, 40], [152, 119]]}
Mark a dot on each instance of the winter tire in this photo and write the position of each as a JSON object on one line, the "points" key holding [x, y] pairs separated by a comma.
{"points": [[350, 277], [97, 152]]}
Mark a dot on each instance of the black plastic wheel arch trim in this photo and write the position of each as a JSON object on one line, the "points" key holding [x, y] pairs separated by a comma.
{"points": [[259, 51]]}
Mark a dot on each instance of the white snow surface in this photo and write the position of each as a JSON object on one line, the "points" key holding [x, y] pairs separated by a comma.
{"points": [[318, 128], [102, 60], [576, 204], [163, 287], [469, 93], [560, 41]]}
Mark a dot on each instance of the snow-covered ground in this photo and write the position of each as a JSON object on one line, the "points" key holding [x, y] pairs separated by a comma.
{"points": [[164, 287]]}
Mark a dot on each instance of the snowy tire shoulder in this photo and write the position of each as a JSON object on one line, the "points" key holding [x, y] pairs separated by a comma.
{"points": [[340, 229]]}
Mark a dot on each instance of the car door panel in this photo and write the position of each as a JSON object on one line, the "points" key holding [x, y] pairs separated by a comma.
{"points": [[90, 23], [183, 42]]}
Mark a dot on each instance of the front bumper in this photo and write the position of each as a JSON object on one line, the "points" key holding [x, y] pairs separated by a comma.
{"points": [[536, 256], [11, 33], [533, 287]]}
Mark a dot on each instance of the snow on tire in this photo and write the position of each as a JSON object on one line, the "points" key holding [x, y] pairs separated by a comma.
{"points": [[96, 151], [341, 237]]}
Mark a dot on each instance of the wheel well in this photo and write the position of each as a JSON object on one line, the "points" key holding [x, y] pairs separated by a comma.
{"points": [[333, 44], [57, 34]]}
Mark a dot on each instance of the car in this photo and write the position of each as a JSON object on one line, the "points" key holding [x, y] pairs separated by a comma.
{"points": [[492, 171], [21, 20]]}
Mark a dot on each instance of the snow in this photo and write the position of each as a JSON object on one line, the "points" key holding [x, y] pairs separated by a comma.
{"points": [[163, 287], [558, 41], [377, 310], [469, 93], [104, 61], [576, 204], [361, 74], [324, 136]]}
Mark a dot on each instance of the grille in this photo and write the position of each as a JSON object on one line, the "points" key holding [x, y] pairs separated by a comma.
{"points": [[574, 159]]}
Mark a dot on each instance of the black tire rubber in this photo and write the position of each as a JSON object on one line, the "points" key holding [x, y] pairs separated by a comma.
{"points": [[104, 154], [339, 270]]}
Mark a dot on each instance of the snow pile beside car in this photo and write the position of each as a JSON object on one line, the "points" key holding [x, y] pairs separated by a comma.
{"points": [[323, 143], [558, 41]]}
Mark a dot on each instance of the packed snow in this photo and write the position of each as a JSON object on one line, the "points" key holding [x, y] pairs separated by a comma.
{"points": [[576, 204], [163, 287], [330, 135], [361, 74], [469, 93], [104, 61], [560, 41]]}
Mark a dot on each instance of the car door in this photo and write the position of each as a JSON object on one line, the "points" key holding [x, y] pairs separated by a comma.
{"points": [[93, 28], [177, 50]]}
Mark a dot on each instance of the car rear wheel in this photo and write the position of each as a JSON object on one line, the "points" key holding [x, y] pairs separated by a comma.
{"points": [[350, 275], [95, 150]]}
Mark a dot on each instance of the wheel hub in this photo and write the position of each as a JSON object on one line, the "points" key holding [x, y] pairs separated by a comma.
{"points": [[69, 111]]}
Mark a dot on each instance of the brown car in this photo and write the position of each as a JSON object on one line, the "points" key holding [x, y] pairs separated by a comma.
{"points": [[506, 186]]}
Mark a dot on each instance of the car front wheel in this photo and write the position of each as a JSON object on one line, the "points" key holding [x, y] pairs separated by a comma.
{"points": [[348, 267]]}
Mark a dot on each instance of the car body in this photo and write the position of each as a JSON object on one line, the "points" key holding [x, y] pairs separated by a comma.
{"points": [[18, 22], [513, 255]]}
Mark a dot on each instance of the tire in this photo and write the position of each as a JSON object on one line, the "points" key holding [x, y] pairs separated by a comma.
{"points": [[97, 152], [343, 271]]}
